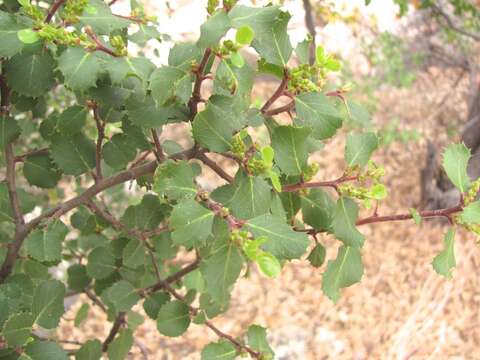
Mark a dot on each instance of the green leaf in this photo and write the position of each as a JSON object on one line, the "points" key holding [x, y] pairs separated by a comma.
{"points": [[153, 303], [194, 281], [91, 350], [268, 264], [283, 242], [28, 36], [344, 271], [230, 79], [46, 244], [121, 68], [144, 34], [270, 27], [257, 340], [247, 197], [142, 111], [173, 318], [10, 44], [471, 213], [359, 148], [344, 229], [245, 35], [122, 295], [166, 82], [318, 209], [315, 110], [317, 256], [291, 148], [80, 68], [118, 152], [445, 261], [30, 74], [47, 304], [174, 179], [75, 155], [134, 254], [44, 350], [220, 271], [72, 120], [99, 16], [27, 203], [214, 29], [82, 315], [214, 126], [100, 263], [358, 115], [39, 170], [17, 329], [183, 54], [191, 223], [120, 347], [9, 130], [145, 216], [455, 161], [222, 350]]}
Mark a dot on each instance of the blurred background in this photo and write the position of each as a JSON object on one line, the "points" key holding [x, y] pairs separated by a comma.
{"points": [[417, 71]]}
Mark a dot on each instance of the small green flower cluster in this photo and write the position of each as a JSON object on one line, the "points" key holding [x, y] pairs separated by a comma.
{"points": [[61, 36], [72, 10], [471, 194], [370, 188], [310, 171], [119, 46], [301, 79], [31, 11], [238, 147]]}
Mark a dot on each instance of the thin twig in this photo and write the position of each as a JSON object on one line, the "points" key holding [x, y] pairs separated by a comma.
{"points": [[317, 184], [278, 93], [310, 25], [117, 325], [200, 76], [214, 166], [53, 9], [83, 198], [99, 45], [100, 137], [439, 11], [159, 154], [285, 108], [95, 300], [22, 157]]}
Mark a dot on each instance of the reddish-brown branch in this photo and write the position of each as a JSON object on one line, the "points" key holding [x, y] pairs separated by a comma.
{"points": [[22, 157], [194, 311], [309, 185], [219, 210], [285, 108], [278, 93], [83, 198], [53, 9], [99, 45], [214, 166], [158, 147], [424, 214], [117, 325], [199, 77], [100, 137], [173, 278]]}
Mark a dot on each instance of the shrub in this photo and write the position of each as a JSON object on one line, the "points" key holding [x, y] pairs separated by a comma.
{"points": [[80, 116]]}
